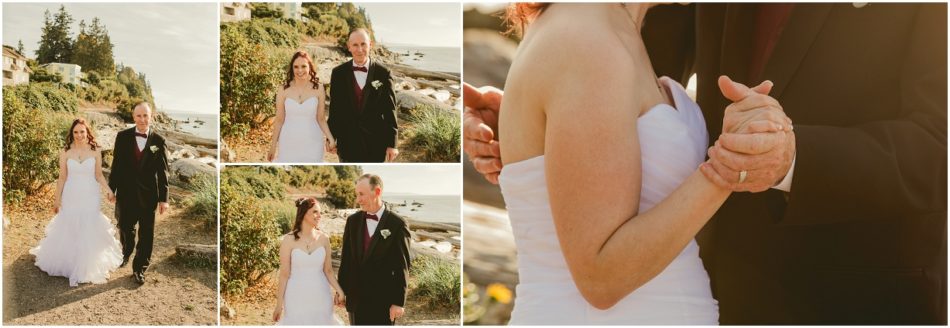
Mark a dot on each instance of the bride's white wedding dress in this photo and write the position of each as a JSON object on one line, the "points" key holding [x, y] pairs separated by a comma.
{"points": [[80, 241], [673, 143], [301, 140], [308, 298]]}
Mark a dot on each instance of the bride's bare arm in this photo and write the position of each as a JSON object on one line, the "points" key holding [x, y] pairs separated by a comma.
{"points": [[61, 181], [321, 117], [278, 124], [328, 266], [593, 170], [286, 246], [99, 177]]}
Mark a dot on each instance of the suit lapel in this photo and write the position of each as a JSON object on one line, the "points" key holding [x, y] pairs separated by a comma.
{"points": [[735, 54], [358, 236], [800, 32]]}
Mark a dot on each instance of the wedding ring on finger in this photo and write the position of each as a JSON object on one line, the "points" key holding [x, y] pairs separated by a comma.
{"points": [[743, 175]]}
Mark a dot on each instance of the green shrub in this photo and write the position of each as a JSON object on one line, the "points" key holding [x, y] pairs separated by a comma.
{"points": [[32, 139], [284, 212], [436, 135], [258, 182], [203, 203], [264, 10], [45, 96], [342, 194], [437, 282], [249, 241], [249, 78]]}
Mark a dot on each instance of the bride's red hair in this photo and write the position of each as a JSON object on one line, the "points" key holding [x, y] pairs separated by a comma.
{"points": [[519, 15]]}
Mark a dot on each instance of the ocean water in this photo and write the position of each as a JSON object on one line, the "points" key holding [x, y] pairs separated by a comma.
{"points": [[188, 122], [434, 208], [438, 59]]}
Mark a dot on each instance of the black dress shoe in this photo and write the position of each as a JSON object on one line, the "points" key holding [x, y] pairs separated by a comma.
{"points": [[125, 261], [139, 278]]}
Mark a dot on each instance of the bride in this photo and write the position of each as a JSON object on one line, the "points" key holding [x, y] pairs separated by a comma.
{"points": [[80, 241], [601, 173], [304, 296], [301, 133]]}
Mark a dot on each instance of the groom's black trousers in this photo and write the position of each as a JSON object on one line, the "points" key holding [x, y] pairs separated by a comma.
{"points": [[143, 250], [376, 318]]}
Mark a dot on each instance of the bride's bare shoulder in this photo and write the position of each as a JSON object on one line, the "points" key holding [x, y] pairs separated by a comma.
{"points": [[571, 39]]}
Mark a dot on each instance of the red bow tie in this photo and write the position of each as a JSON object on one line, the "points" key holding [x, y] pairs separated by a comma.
{"points": [[360, 68], [141, 135], [372, 217]]}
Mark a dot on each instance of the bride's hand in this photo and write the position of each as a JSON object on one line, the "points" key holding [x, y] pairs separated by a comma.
{"points": [[272, 153], [278, 311], [56, 207], [111, 196]]}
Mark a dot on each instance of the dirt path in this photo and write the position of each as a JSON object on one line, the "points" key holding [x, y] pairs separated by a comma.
{"points": [[174, 293]]}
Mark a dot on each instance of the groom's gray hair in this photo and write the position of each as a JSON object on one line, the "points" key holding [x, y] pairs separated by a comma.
{"points": [[359, 29], [143, 103], [374, 180]]}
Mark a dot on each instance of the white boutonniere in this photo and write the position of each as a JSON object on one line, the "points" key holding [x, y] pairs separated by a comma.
{"points": [[385, 233], [377, 84], [153, 148]]}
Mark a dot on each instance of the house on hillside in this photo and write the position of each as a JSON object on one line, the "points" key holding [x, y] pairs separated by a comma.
{"points": [[235, 11], [15, 69], [71, 73]]}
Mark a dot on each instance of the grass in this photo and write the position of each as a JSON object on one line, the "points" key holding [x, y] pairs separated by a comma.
{"points": [[203, 202], [283, 211], [435, 134], [436, 282]]}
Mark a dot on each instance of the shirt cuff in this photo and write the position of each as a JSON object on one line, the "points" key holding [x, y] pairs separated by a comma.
{"points": [[786, 184]]}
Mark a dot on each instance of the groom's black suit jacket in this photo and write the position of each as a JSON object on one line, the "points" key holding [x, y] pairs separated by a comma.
{"points": [[861, 238], [362, 134], [139, 188], [376, 279]]}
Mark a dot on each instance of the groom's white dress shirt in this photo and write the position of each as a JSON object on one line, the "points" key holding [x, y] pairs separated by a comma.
{"points": [[139, 140], [371, 224], [361, 76], [786, 184]]}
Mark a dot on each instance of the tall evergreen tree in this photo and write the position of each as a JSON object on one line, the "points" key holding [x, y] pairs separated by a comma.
{"points": [[19, 47], [93, 49], [55, 43]]}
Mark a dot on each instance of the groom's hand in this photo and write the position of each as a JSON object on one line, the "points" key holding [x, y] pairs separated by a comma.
{"points": [[395, 311], [162, 207], [757, 138], [391, 154], [480, 121]]}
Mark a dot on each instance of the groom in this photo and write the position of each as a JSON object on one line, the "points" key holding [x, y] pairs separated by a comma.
{"points": [[138, 178], [362, 106], [846, 221], [375, 260]]}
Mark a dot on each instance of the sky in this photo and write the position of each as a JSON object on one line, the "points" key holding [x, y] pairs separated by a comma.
{"points": [[420, 24], [430, 179], [174, 44]]}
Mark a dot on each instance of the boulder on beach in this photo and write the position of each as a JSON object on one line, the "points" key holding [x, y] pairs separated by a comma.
{"points": [[183, 170], [411, 99]]}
